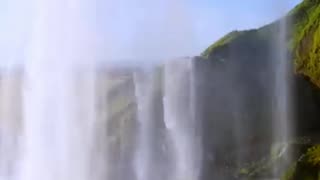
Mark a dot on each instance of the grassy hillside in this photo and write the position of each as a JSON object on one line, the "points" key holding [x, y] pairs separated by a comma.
{"points": [[303, 41], [306, 39], [237, 75]]}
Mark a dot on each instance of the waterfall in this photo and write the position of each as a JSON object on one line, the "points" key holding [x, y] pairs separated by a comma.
{"points": [[144, 94], [59, 95], [180, 121], [10, 106], [175, 152], [283, 110], [283, 128], [64, 120]]}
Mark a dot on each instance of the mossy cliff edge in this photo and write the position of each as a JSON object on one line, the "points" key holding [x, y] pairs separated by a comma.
{"points": [[303, 41], [306, 39], [236, 75]]}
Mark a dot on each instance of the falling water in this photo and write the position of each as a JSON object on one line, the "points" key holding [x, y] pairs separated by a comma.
{"points": [[178, 155], [179, 117], [282, 114], [10, 122], [59, 138], [58, 99], [144, 94]]}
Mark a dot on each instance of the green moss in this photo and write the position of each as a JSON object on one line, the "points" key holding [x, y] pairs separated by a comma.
{"points": [[306, 167], [289, 174], [263, 167], [292, 155], [312, 156], [300, 20], [244, 171], [303, 40], [306, 39], [223, 41]]}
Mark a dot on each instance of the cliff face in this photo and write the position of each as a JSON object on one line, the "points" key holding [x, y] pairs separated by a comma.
{"points": [[236, 77], [305, 39], [249, 55]]}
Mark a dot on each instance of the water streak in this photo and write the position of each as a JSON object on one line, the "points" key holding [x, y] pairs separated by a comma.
{"points": [[179, 117], [59, 96]]}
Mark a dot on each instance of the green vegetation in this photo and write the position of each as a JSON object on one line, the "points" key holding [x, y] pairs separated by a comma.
{"points": [[306, 39], [303, 40], [313, 155], [306, 167], [290, 173], [223, 41], [249, 57], [276, 162], [257, 169]]}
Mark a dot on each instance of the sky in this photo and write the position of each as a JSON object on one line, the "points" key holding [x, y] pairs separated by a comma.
{"points": [[145, 29], [214, 18]]}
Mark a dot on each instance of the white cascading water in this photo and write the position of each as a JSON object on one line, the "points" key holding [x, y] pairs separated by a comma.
{"points": [[59, 95], [283, 128], [58, 132], [10, 104], [181, 142], [143, 155], [180, 121], [283, 112]]}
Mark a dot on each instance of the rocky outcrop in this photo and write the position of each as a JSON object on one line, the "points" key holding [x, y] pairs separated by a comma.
{"points": [[236, 77]]}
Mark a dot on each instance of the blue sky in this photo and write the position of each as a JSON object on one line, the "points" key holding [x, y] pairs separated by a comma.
{"points": [[146, 28], [196, 23], [217, 17]]}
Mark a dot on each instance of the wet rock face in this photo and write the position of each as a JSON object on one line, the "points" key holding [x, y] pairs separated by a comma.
{"points": [[235, 103], [307, 108], [234, 107], [235, 79]]}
